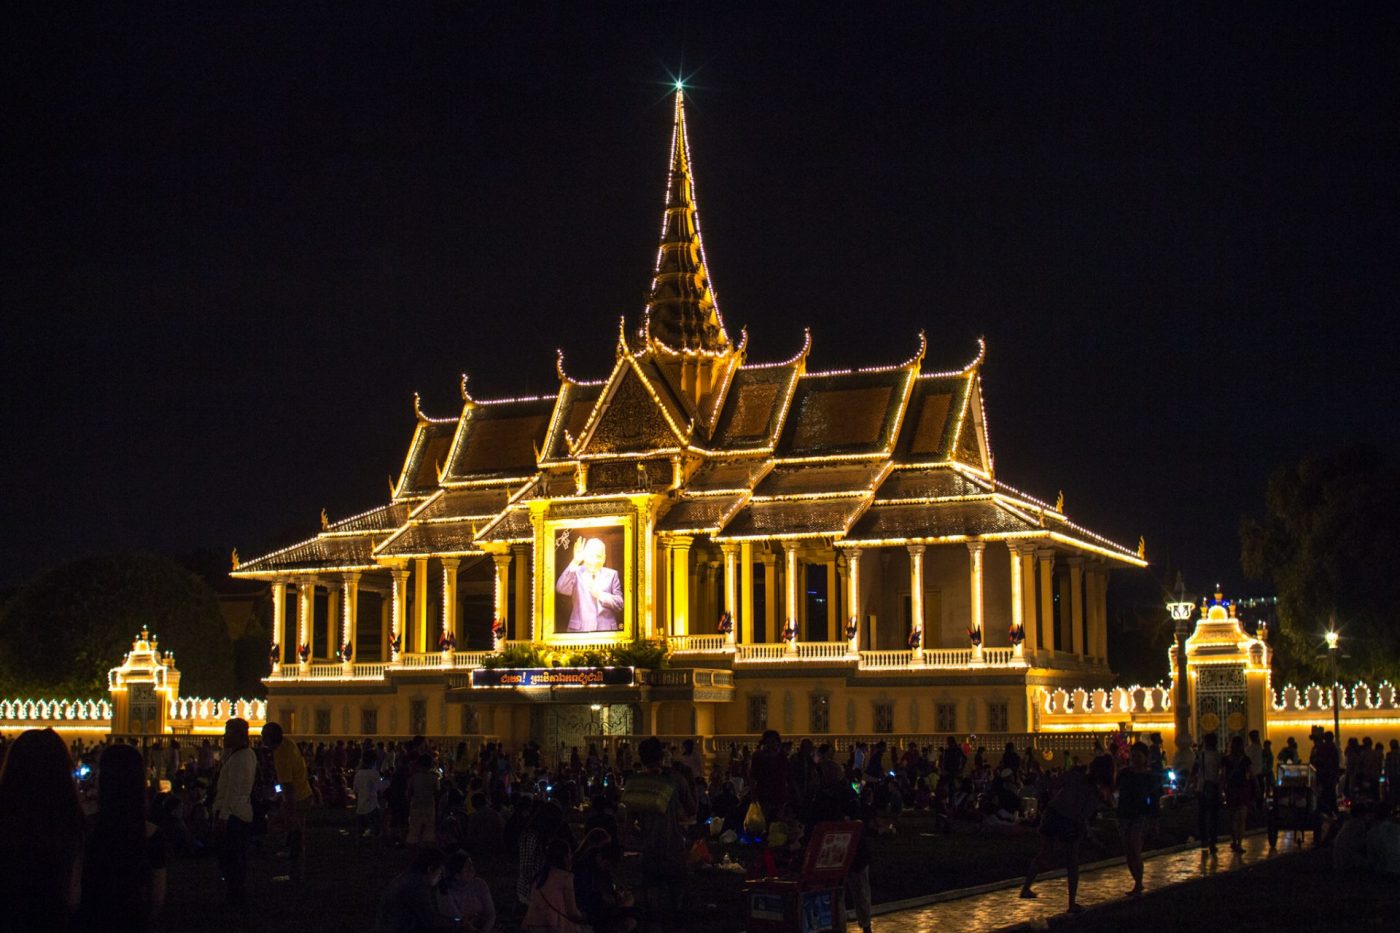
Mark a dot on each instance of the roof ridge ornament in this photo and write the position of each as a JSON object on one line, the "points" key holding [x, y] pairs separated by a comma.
{"points": [[466, 396], [418, 407]]}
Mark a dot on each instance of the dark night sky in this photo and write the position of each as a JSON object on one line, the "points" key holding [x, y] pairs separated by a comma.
{"points": [[236, 239]]}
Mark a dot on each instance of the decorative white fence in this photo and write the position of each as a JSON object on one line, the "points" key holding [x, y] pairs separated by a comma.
{"points": [[1316, 698], [886, 660], [45, 711], [698, 644]]}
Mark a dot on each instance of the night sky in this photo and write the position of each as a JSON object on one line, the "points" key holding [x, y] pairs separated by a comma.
{"points": [[237, 238]]}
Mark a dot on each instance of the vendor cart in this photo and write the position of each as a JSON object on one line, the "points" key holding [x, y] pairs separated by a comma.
{"points": [[813, 901], [1293, 805]]}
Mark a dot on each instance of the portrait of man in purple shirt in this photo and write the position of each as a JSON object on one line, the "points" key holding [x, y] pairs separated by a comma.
{"points": [[594, 589]]}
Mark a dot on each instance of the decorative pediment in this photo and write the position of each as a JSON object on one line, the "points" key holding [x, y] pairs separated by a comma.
{"points": [[631, 417]]}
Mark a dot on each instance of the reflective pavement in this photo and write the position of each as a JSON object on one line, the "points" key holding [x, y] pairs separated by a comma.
{"points": [[1002, 908]]}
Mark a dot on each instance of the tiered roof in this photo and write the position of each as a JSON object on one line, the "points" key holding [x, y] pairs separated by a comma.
{"points": [[864, 457]]}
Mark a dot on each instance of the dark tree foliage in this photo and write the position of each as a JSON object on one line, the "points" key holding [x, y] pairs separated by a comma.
{"points": [[68, 626], [1327, 542]]}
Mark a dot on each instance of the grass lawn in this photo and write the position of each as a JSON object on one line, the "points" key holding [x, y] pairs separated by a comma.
{"points": [[345, 875]]}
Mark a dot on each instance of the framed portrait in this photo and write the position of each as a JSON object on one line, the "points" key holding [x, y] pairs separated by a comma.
{"points": [[588, 585]]}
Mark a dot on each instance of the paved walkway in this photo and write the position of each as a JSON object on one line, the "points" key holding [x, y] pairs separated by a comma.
{"points": [[993, 910]]}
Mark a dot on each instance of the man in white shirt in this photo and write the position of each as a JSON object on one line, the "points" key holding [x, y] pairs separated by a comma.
{"points": [[368, 784], [233, 808]]}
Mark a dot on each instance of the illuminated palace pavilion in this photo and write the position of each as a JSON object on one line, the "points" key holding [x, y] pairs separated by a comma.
{"points": [[824, 553]]}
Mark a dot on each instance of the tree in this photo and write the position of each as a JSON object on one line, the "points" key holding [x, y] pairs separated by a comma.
{"points": [[1327, 542], [68, 626]]}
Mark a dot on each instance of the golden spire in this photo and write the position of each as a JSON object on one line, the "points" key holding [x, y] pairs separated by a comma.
{"points": [[681, 313]]}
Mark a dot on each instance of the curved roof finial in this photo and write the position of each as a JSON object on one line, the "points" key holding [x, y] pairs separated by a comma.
{"points": [[418, 407], [466, 396]]}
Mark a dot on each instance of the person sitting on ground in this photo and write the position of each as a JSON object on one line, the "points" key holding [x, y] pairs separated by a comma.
{"points": [[552, 908], [608, 909], [485, 825], [408, 904], [464, 896]]}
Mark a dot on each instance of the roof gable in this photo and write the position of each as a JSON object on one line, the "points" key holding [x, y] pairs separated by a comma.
{"points": [[634, 415]]}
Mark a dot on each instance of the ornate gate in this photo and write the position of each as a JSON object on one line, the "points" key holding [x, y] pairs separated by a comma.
{"points": [[1220, 702]]}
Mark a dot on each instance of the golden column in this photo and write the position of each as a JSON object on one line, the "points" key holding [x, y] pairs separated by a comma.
{"points": [[279, 623], [332, 643], [975, 550], [420, 605], [502, 610], [399, 604], [385, 620], [916, 599], [833, 600], [306, 617], [1018, 613], [680, 585], [1076, 605], [1028, 602], [790, 608], [770, 594], [731, 588], [853, 597], [745, 614], [522, 591], [449, 604], [349, 615], [1047, 599]]}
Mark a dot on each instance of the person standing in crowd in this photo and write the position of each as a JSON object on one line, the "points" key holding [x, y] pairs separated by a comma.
{"points": [[772, 775], [1208, 792], [1066, 822], [546, 823], [1138, 792], [290, 766], [1288, 755], [124, 861], [1266, 779], [367, 784], [1254, 751], [422, 802], [1239, 791], [1327, 762], [233, 808], [41, 835], [657, 801], [1392, 774]]}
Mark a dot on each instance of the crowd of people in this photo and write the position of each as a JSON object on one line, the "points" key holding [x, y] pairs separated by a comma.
{"points": [[92, 826]]}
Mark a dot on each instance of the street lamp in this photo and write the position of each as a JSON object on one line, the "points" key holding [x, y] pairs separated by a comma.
{"points": [[1332, 639], [1180, 610]]}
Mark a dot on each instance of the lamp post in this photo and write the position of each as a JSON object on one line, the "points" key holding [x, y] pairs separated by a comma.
{"points": [[1180, 610], [1332, 639]]}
